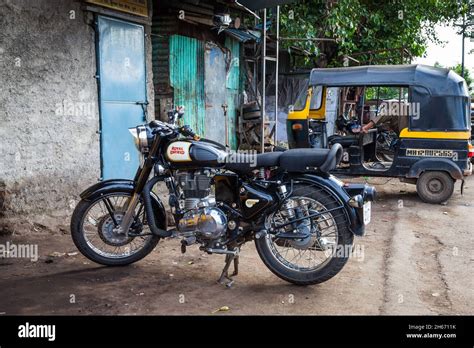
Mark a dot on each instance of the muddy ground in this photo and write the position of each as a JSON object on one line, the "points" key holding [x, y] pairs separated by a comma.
{"points": [[416, 259]]}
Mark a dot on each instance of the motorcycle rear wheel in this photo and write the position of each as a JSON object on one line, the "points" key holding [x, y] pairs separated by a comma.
{"points": [[343, 240]]}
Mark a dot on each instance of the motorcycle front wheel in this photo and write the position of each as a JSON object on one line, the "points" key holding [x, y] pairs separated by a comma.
{"points": [[316, 258], [92, 230]]}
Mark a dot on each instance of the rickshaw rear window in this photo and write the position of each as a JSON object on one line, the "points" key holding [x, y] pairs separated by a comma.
{"points": [[440, 113]]}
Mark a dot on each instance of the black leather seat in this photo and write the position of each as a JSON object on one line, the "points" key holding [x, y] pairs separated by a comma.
{"points": [[295, 160], [244, 163], [304, 160], [269, 159]]}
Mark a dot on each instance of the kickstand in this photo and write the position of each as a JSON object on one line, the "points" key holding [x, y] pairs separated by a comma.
{"points": [[224, 279]]}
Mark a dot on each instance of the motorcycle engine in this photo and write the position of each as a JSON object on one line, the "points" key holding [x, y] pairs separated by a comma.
{"points": [[202, 218]]}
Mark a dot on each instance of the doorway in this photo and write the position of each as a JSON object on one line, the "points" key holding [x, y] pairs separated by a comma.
{"points": [[122, 94]]}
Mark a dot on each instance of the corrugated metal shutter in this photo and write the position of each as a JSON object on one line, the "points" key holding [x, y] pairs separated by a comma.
{"points": [[162, 26], [186, 62], [233, 90]]}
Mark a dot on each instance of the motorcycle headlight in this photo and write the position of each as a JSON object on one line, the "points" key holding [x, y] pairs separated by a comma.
{"points": [[140, 136]]}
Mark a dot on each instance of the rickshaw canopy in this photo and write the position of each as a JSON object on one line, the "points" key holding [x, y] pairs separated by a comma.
{"points": [[442, 94]]}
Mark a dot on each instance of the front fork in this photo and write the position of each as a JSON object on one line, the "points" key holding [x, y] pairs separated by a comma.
{"points": [[141, 178], [130, 206]]}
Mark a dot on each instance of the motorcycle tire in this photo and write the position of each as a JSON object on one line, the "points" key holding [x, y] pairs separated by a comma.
{"points": [[329, 270], [79, 240]]}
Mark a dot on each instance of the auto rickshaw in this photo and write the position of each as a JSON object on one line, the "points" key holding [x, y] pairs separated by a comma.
{"points": [[428, 144]]}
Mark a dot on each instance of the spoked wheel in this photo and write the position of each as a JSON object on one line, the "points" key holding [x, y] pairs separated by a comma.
{"points": [[93, 230], [325, 244], [309, 253], [435, 187]]}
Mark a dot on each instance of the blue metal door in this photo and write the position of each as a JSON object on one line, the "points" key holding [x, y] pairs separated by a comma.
{"points": [[122, 92], [216, 124]]}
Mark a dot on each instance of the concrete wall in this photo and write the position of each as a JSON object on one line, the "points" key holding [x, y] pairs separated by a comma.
{"points": [[50, 149]]}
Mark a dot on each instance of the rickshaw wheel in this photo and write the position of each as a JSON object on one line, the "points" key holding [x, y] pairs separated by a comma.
{"points": [[435, 187]]}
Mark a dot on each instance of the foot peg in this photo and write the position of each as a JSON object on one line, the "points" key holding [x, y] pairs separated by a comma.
{"points": [[187, 242]]}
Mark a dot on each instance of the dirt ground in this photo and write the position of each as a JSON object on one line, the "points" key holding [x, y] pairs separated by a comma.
{"points": [[416, 259]]}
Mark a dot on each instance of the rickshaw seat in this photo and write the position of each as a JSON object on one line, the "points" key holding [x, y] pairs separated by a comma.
{"points": [[344, 140]]}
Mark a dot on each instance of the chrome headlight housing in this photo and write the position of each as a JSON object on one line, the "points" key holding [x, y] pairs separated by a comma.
{"points": [[140, 136]]}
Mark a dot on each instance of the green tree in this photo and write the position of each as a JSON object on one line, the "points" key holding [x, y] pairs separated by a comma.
{"points": [[467, 76], [383, 27], [465, 22]]}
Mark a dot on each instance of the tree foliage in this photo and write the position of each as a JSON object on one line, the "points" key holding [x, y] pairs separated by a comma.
{"points": [[465, 22], [383, 26]]}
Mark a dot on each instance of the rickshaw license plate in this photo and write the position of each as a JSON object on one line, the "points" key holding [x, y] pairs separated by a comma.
{"points": [[367, 211]]}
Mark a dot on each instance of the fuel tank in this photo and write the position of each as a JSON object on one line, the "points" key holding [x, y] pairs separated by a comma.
{"points": [[190, 153]]}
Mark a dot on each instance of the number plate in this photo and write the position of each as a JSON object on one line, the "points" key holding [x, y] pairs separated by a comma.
{"points": [[367, 212]]}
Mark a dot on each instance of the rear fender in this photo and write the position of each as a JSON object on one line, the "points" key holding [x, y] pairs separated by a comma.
{"points": [[435, 164], [336, 188]]}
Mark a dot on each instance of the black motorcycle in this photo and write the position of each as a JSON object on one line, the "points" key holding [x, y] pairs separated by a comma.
{"points": [[302, 219]]}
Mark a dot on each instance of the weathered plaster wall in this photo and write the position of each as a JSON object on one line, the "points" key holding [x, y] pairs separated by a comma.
{"points": [[49, 114], [48, 108]]}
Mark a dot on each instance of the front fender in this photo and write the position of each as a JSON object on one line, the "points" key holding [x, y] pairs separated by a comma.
{"points": [[107, 186], [336, 188], [435, 164], [125, 186]]}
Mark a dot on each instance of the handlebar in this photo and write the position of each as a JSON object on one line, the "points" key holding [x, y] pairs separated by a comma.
{"points": [[166, 129], [188, 132]]}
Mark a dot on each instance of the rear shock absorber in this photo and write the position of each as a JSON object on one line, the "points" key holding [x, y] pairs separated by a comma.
{"points": [[288, 205]]}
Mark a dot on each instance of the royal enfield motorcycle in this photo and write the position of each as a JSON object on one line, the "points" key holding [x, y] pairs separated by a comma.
{"points": [[302, 219]]}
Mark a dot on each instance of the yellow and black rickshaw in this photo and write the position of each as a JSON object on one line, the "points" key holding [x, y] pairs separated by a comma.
{"points": [[406, 121]]}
